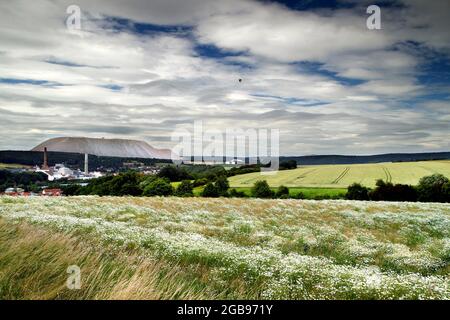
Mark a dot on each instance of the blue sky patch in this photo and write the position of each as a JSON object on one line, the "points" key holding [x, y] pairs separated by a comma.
{"points": [[317, 68], [30, 81]]}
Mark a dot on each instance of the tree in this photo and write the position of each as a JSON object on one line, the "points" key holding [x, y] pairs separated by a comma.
{"points": [[210, 191], [446, 189], [300, 195], [185, 189], [158, 187], [386, 191], [433, 188], [130, 189], [403, 192], [71, 190], [382, 192], [174, 173], [288, 165], [200, 182], [261, 189], [282, 192], [123, 184], [237, 194], [357, 192], [222, 185]]}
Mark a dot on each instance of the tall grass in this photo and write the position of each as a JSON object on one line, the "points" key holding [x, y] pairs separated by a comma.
{"points": [[33, 264]]}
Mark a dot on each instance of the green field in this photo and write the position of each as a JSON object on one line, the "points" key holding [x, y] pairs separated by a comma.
{"points": [[308, 193], [341, 176]]}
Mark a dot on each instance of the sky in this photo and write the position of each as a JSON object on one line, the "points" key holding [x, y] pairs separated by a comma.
{"points": [[141, 69]]}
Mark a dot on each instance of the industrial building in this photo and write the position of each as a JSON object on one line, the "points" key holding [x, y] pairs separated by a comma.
{"points": [[59, 171]]}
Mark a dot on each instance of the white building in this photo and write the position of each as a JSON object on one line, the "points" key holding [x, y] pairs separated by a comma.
{"points": [[235, 162]]}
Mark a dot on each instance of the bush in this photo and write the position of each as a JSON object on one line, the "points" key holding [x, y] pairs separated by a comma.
{"points": [[185, 189], [386, 191], [200, 182], [282, 192], [130, 189], [446, 189], [71, 190], [357, 192], [243, 170], [433, 188], [210, 191], [222, 186], [121, 185], [174, 173], [261, 189], [237, 194], [158, 187], [299, 196], [288, 165]]}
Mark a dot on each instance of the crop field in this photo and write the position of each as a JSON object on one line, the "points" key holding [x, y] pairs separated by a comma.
{"points": [[224, 248], [341, 176]]}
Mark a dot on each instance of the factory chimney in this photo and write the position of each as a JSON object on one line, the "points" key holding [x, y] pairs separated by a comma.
{"points": [[45, 164], [86, 164]]}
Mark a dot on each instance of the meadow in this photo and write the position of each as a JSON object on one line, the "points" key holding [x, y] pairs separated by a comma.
{"points": [[341, 176], [223, 248]]}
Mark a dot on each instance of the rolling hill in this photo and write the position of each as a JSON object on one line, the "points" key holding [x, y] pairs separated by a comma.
{"points": [[376, 158], [341, 176]]}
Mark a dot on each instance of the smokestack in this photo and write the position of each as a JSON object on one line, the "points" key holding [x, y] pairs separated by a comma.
{"points": [[45, 165], [86, 164]]}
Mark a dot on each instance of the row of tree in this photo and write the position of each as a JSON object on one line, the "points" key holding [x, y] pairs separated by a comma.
{"points": [[434, 188]]}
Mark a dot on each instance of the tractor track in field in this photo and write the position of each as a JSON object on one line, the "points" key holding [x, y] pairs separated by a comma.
{"points": [[342, 175], [304, 174], [388, 175]]}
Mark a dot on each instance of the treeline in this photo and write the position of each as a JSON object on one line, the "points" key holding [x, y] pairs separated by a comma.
{"points": [[203, 173], [29, 181], [136, 184], [434, 188], [212, 178], [73, 160]]}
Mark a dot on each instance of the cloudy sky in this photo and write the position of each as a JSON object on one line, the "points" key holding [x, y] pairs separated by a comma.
{"points": [[140, 69]]}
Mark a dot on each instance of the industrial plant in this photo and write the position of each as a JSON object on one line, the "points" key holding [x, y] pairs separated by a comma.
{"points": [[60, 171]]}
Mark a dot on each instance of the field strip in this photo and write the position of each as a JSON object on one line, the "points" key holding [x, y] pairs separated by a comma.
{"points": [[430, 170], [342, 175], [304, 174]]}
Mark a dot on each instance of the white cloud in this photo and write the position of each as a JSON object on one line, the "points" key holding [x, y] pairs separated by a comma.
{"points": [[163, 83]]}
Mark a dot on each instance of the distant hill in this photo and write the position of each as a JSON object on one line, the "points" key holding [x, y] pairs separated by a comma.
{"points": [[390, 157], [104, 147]]}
